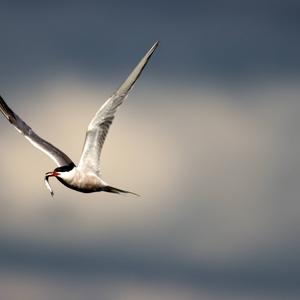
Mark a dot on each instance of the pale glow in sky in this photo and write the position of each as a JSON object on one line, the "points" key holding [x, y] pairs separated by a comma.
{"points": [[209, 137], [215, 173], [207, 167]]}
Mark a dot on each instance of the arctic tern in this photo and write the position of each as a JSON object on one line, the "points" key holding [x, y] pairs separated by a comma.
{"points": [[85, 177]]}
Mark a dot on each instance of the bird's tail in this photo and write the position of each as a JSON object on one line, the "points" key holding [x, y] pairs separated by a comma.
{"points": [[114, 190]]}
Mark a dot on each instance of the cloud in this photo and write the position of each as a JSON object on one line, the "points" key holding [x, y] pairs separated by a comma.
{"points": [[218, 176], [226, 42], [210, 142]]}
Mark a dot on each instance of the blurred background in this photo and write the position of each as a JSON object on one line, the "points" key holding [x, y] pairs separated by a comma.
{"points": [[210, 137]]}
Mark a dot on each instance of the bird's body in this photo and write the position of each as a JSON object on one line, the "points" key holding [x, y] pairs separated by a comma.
{"points": [[84, 182], [86, 176]]}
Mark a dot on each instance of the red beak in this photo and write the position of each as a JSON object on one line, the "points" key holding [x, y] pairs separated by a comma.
{"points": [[54, 174]]}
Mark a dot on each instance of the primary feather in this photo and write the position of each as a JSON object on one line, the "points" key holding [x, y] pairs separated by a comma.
{"points": [[99, 125]]}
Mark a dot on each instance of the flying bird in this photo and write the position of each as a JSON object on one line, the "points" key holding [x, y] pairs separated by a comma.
{"points": [[86, 176]]}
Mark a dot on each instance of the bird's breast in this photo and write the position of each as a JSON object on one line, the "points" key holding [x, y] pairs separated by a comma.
{"points": [[83, 182]]}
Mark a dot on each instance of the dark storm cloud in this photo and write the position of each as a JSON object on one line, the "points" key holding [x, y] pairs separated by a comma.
{"points": [[199, 38], [109, 262], [251, 212]]}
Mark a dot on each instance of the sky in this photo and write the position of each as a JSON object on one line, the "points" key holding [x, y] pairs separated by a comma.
{"points": [[209, 138]]}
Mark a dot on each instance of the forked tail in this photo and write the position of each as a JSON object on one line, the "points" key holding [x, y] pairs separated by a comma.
{"points": [[114, 190]]}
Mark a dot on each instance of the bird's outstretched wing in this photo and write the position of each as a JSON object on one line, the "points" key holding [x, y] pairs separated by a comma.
{"points": [[99, 126], [60, 158]]}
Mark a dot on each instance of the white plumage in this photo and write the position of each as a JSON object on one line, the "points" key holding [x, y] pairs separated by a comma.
{"points": [[86, 176]]}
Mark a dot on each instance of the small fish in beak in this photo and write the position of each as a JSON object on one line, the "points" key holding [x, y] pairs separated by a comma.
{"points": [[50, 174], [47, 183]]}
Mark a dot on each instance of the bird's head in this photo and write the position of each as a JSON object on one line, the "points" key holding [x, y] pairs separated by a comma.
{"points": [[58, 172]]}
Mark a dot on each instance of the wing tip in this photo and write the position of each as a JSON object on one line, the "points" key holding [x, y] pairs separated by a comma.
{"points": [[153, 48], [156, 44]]}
